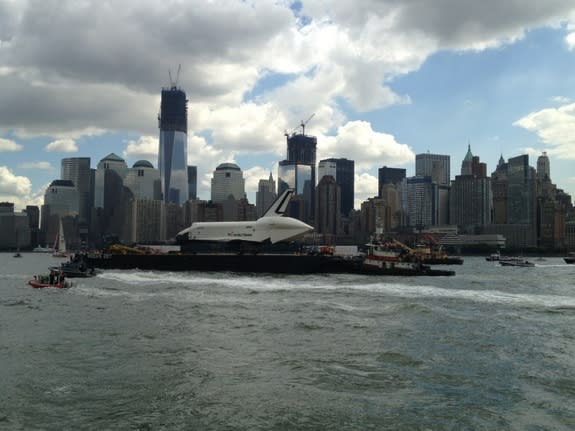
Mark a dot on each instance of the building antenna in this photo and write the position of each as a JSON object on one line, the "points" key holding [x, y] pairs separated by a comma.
{"points": [[174, 84]]}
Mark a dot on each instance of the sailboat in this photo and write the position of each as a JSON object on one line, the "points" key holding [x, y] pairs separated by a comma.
{"points": [[60, 243]]}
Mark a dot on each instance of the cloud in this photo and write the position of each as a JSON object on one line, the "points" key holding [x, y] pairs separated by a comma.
{"points": [[61, 75], [37, 165], [365, 187], [7, 145], [570, 40], [13, 188], [356, 140], [555, 127], [145, 148], [62, 146]]}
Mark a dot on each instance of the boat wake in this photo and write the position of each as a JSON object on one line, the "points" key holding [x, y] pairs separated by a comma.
{"points": [[345, 284]]}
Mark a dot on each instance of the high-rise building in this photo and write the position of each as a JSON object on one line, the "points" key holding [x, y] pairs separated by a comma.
{"points": [[343, 171], [327, 206], [192, 183], [143, 181], [111, 164], [77, 170], [389, 176], [265, 195], [422, 202], [228, 180], [60, 200], [436, 166], [172, 157], [111, 199], [298, 172], [543, 168], [471, 201]]}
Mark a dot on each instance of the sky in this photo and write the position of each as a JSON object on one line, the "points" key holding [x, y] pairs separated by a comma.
{"points": [[382, 80]]}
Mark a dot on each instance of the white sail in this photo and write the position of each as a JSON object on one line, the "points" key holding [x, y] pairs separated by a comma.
{"points": [[61, 239]]}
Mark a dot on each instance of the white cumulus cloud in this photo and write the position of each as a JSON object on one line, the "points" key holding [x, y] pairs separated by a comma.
{"points": [[7, 145], [555, 127], [62, 146]]}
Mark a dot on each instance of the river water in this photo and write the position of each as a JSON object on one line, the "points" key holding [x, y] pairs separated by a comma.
{"points": [[492, 348]]}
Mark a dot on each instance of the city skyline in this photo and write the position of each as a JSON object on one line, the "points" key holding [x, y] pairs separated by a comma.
{"points": [[384, 81]]}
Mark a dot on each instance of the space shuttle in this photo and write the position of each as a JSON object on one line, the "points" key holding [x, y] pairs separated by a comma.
{"points": [[272, 227]]}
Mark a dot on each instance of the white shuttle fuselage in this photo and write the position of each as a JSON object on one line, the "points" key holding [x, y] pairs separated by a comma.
{"points": [[272, 227]]}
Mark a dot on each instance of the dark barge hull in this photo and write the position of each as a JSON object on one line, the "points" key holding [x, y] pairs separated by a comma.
{"points": [[246, 263]]}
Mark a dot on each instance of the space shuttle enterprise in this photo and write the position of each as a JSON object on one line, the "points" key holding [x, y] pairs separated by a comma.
{"points": [[271, 228]]}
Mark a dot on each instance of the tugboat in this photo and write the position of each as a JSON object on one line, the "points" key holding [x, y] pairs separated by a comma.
{"points": [[392, 257]]}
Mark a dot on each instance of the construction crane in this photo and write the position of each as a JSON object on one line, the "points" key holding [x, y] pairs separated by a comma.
{"points": [[303, 123]]}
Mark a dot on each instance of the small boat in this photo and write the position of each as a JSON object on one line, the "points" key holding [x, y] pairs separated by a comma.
{"points": [[17, 254], [75, 269], [516, 262], [570, 259], [42, 281]]}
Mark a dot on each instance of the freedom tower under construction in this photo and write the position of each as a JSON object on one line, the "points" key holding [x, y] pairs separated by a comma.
{"points": [[173, 153]]}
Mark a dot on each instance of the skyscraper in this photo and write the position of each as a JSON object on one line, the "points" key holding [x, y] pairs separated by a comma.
{"points": [[192, 183], [471, 195], [172, 157], [327, 206], [436, 166], [228, 180], [298, 172], [389, 176], [143, 181], [343, 171], [265, 195], [77, 170], [543, 168]]}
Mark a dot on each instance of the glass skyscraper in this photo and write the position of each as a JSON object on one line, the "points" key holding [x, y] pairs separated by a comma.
{"points": [[298, 172], [172, 157]]}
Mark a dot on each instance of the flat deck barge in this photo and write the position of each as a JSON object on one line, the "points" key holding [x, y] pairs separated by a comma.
{"points": [[248, 263]]}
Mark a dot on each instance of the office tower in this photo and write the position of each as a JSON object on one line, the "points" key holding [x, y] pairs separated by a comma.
{"points": [[422, 202], [514, 188], [521, 191], [146, 221], [77, 170], [328, 206], [172, 157], [389, 176], [144, 181], [343, 171], [391, 197], [499, 188], [298, 172], [543, 168], [265, 195], [228, 180], [471, 197], [60, 200], [111, 199], [14, 228], [33, 214], [192, 183], [436, 166]]}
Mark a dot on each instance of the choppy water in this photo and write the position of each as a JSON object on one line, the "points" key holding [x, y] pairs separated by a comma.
{"points": [[492, 348]]}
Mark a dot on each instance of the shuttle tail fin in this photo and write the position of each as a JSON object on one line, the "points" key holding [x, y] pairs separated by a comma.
{"points": [[279, 206]]}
